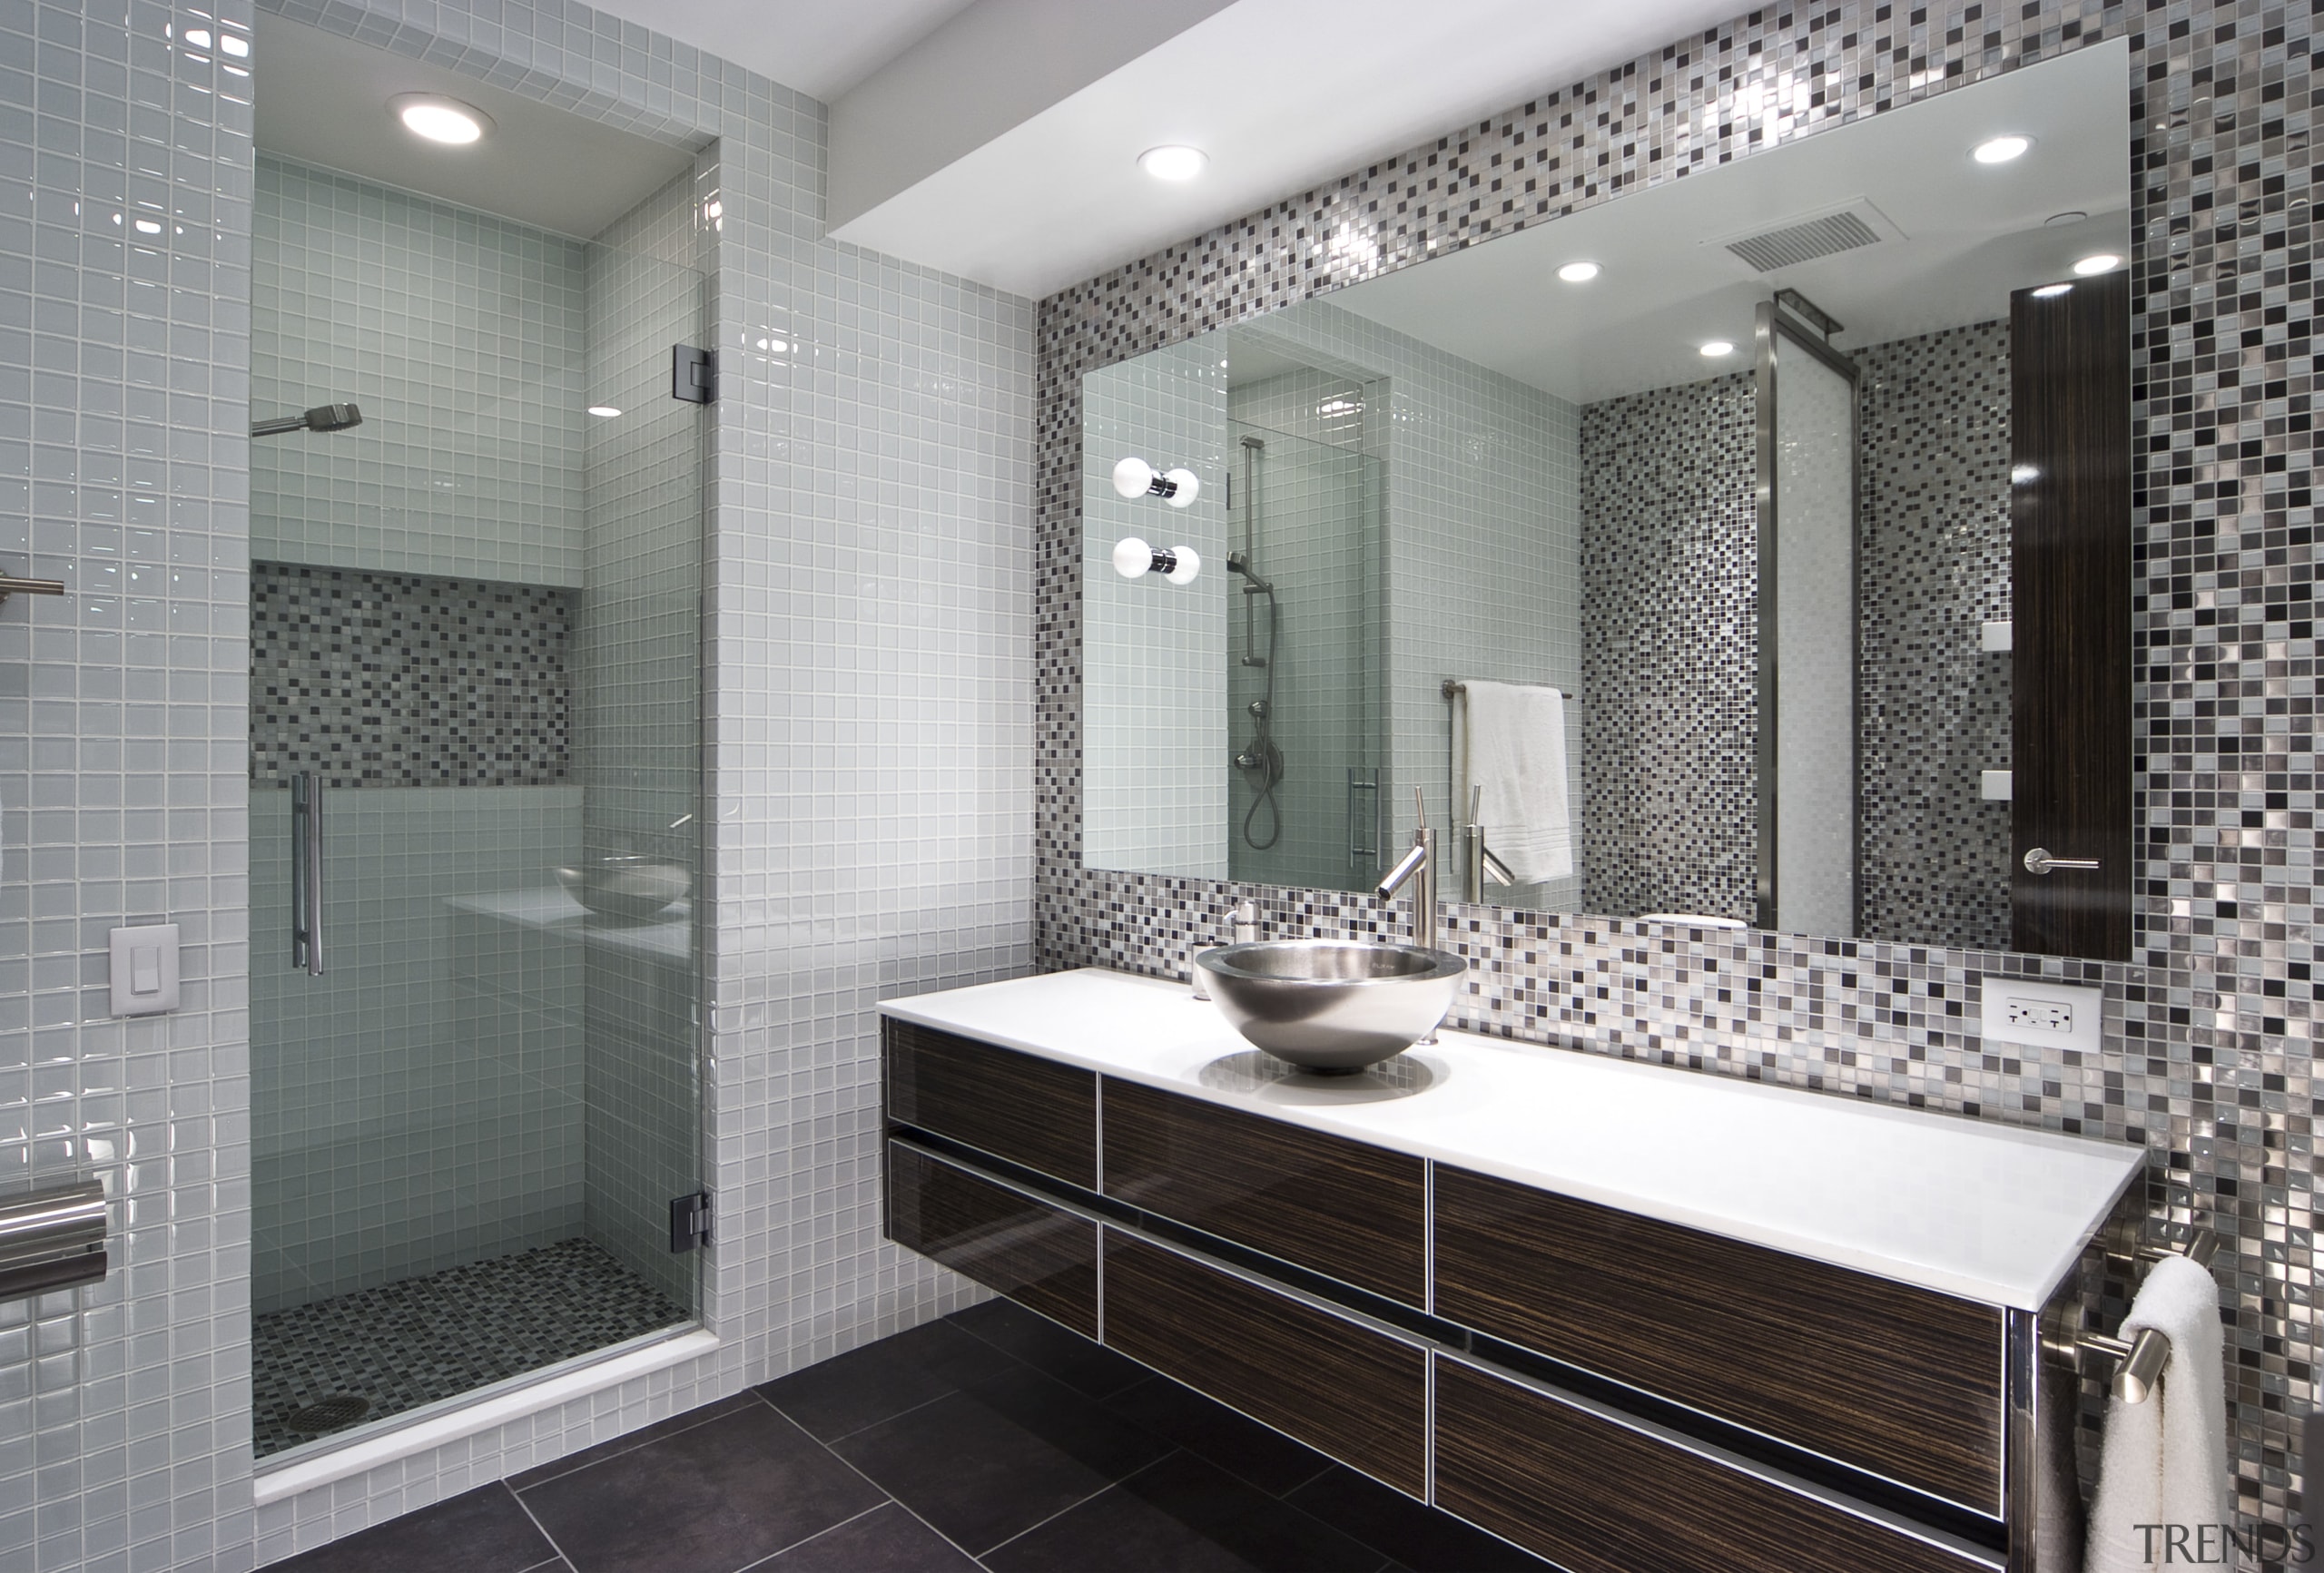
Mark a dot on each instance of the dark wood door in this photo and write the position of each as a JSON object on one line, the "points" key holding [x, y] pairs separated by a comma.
{"points": [[2070, 569]]}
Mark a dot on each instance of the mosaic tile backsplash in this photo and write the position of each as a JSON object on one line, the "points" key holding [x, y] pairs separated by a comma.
{"points": [[400, 679], [2209, 1030]]}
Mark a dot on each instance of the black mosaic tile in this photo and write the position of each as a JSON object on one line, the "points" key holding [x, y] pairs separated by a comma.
{"points": [[408, 1344], [403, 680]]}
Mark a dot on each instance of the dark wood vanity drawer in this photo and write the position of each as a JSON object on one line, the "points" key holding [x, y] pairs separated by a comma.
{"points": [[1896, 1380], [1342, 1209], [1042, 1257], [1335, 1385], [1030, 1111], [1595, 1497]]}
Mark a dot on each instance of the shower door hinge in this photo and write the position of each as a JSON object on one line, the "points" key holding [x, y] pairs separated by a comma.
{"points": [[693, 374], [690, 1220]]}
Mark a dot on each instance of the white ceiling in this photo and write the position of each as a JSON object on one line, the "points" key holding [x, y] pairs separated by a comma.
{"points": [[1282, 94], [820, 47], [322, 98], [1971, 233]]}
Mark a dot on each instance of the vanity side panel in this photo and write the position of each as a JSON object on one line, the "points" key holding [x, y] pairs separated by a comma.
{"points": [[1340, 1388], [1043, 1258], [1030, 1111], [1595, 1497], [1350, 1212], [1894, 1379]]}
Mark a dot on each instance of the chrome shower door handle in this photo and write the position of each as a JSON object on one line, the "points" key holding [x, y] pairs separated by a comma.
{"points": [[2039, 861], [307, 873]]}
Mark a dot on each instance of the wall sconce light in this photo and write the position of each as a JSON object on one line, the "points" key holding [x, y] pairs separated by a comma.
{"points": [[1132, 558], [1134, 477]]}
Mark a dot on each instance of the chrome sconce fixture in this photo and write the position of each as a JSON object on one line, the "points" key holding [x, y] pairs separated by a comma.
{"points": [[1132, 558], [1134, 477]]}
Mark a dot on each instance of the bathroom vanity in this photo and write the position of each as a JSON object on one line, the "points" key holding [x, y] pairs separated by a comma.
{"points": [[1626, 1317]]}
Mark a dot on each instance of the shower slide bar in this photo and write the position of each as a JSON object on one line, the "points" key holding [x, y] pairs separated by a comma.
{"points": [[2138, 1360], [307, 871]]}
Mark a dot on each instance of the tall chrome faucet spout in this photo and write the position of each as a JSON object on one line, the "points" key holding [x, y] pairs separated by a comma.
{"points": [[1417, 868]]}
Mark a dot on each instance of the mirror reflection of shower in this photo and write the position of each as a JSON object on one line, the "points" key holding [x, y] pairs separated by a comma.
{"points": [[322, 417], [1261, 761]]}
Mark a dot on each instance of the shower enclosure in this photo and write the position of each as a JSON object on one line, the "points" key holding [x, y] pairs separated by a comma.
{"points": [[474, 793]]}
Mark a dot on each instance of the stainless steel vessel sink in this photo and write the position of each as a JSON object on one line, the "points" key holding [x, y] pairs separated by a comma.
{"points": [[1332, 1006]]}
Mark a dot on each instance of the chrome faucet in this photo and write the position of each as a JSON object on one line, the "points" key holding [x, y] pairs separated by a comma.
{"points": [[1418, 864]]}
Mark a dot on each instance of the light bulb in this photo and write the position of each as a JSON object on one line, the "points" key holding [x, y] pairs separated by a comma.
{"points": [[2051, 291], [2102, 262], [1132, 557], [1579, 272], [1132, 476], [1173, 163], [440, 119], [603, 411], [2000, 149], [1187, 484], [1188, 566]]}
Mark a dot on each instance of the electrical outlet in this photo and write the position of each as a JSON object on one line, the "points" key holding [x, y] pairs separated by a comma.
{"points": [[2038, 1015]]}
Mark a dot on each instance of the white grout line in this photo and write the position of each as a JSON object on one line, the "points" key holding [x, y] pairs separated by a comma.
{"points": [[527, 1509], [1084, 1501], [818, 1535], [891, 1497]]}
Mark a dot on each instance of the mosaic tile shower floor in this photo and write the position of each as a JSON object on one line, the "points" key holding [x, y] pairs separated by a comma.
{"points": [[405, 1345]]}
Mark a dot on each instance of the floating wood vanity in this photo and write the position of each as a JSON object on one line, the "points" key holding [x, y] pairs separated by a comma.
{"points": [[1628, 1318]]}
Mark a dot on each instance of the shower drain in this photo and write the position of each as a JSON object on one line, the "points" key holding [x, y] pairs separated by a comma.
{"points": [[343, 1409]]}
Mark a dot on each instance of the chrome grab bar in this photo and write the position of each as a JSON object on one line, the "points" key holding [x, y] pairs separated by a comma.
{"points": [[307, 871], [10, 584], [2138, 1360], [52, 1238], [2039, 861]]}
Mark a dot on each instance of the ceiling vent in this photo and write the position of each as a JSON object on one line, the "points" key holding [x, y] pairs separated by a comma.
{"points": [[1805, 240]]}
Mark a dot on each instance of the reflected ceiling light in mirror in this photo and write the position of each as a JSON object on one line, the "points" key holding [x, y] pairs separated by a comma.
{"points": [[1716, 347], [2051, 291], [2001, 150], [603, 411], [435, 118], [1132, 558], [2101, 263], [2071, 216], [1579, 272], [1134, 477], [1173, 162]]}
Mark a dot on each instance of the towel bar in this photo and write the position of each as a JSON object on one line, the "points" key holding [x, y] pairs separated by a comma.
{"points": [[2138, 1360], [52, 1238]]}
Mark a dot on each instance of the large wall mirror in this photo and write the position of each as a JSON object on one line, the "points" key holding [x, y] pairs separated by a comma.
{"points": [[1727, 553]]}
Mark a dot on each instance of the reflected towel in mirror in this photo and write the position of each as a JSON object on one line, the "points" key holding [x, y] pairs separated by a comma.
{"points": [[1516, 753]]}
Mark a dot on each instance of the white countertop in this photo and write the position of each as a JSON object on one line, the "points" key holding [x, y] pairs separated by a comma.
{"points": [[1992, 1213]]}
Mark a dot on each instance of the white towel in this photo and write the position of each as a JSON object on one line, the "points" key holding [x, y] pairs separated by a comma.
{"points": [[2164, 1461], [1517, 754]]}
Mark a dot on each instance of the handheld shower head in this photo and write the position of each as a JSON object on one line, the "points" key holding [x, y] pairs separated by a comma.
{"points": [[322, 417]]}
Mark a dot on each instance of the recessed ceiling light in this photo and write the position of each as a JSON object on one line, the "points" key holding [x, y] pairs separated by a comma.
{"points": [[2071, 216], [603, 411], [440, 119], [2101, 263], [1173, 163], [1716, 347], [1579, 272], [2000, 149], [2051, 291]]}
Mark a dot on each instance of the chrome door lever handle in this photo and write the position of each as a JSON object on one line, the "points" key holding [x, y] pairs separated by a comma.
{"points": [[2039, 861]]}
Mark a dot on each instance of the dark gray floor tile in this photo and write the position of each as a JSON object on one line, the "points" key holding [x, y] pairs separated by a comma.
{"points": [[710, 1498], [1184, 1515], [479, 1531], [1414, 1533], [885, 1540], [1000, 1455], [684, 1420], [881, 1381], [1234, 1442], [1050, 1349]]}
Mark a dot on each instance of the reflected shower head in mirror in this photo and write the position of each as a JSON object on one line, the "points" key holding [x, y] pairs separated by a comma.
{"points": [[322, 417]]}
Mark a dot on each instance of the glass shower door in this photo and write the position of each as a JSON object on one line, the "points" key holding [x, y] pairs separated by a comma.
{"points": [[476, 666]]}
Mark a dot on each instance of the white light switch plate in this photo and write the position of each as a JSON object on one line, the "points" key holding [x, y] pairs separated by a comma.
{"points": [[145, 970], [2040, 1014]]}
